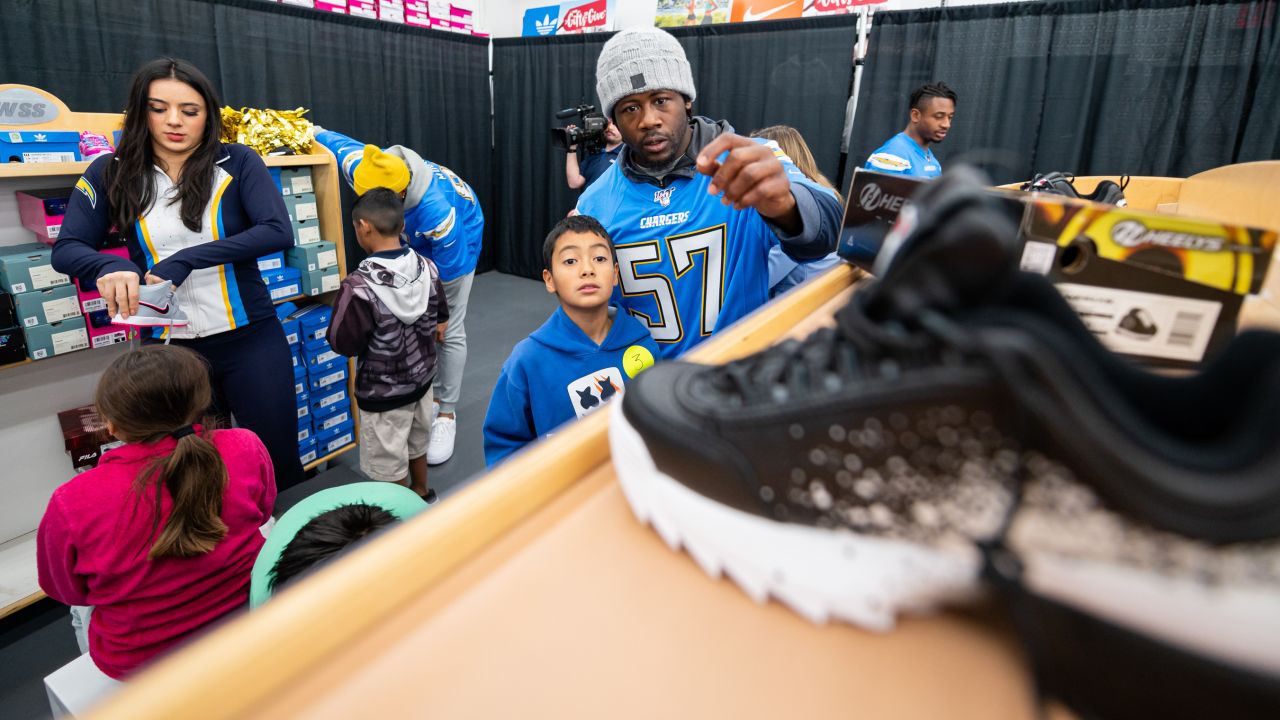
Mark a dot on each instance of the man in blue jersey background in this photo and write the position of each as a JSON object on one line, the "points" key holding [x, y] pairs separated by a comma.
{"points": [[693, 207], [907, 153], [443, 221]]}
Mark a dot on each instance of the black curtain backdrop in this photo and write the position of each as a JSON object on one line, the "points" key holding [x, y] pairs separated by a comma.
{"points": [[380, 83], [793, 72], [1094, 87]]}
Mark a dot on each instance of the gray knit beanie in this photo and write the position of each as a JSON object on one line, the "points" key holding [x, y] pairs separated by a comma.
{"points": [[641, 60]]}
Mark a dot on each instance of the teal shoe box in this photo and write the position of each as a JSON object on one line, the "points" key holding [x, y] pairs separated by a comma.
{"points": [[42, 307], [44, 341], [28, 267]]}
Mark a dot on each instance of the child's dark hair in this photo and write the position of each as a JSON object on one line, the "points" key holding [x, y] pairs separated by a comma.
{"points": [[326, 536], [382, 208], [154, 392], [924, 93], [572, 223]]}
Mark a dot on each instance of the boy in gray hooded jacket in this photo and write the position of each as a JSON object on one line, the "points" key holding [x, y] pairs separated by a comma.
{"points": [[390, 314]]}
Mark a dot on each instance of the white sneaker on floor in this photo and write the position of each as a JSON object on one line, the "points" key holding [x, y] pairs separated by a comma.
{"points": [[440, 447]]}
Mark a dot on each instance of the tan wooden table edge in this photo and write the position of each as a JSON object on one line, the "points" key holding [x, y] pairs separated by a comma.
{"points": [[227, 672]]}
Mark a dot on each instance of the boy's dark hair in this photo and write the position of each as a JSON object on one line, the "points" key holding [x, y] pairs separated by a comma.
{"points": [[328, 535], [573, 223], [382, 208], [924, 93]]}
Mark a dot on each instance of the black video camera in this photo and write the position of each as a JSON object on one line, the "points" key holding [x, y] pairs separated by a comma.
{"points": [[589, 133]]}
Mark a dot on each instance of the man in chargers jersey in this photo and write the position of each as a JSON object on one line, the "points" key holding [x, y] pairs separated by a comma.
{"points": [[907, 153], [443, 221], [693, 207]]}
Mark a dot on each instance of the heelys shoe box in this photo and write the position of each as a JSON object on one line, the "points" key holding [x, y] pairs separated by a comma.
{"points": [[1163, 289]]}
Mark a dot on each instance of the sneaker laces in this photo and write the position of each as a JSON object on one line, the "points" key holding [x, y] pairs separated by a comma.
{"points": [[856, 348]]}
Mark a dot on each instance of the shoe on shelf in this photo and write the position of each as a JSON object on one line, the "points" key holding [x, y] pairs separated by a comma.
{"points": [[1057, 183], [440, 446], [959, 421], [156, 308]]}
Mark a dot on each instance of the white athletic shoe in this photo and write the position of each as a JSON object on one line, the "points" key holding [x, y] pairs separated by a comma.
{"points": [[440, 447]]}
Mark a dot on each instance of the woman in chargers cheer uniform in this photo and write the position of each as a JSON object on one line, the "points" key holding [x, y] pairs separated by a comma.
{"points": [[196, 212]]}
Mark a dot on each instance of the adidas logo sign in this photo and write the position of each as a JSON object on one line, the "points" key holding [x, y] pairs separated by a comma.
{"points": [[546, 26]]}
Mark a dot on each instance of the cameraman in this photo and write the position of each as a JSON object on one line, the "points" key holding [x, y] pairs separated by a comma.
{"points": [[594, 165]]}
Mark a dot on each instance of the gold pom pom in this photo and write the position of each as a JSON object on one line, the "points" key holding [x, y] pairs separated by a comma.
{"points": [[268, 130]]}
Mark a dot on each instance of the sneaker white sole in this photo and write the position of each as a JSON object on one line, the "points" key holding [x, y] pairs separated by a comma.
{"points": [[137, 321], [820, 573]]}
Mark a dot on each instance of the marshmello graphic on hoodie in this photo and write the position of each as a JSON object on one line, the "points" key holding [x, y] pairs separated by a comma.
{"points": [[558, 374]]}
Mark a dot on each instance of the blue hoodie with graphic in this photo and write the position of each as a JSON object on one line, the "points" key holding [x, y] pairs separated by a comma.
{"points": [[558, 374]]}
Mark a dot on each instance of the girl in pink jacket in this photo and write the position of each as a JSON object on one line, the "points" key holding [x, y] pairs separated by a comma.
{"points": [[160, 538]]}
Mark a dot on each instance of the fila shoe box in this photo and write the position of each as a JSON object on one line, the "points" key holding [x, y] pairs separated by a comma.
{"points": [[28, 267], [85, 436]]}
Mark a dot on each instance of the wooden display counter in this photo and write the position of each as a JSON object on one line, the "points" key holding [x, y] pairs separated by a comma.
{"points": [[536, 593]]}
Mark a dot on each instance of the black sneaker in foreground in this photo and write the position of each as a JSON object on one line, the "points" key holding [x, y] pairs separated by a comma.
{"points": [[959, 406]]}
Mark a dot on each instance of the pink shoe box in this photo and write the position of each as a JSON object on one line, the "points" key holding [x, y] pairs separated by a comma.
{"points": [[418, 7], [441, 24], [100, 337], [363, 8], [339, 7], [90, 300], [41, 211], [417, 19], [460, 14]]}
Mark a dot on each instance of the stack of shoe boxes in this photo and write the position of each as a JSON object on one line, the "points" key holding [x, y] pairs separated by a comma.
{"points": [[44, 302], [41, 212], [326, 418], [317, 264], [301, 390], [282, 278]]}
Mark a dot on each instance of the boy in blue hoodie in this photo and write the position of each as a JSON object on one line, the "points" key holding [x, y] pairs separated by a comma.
{"points": [[580, 357]]}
